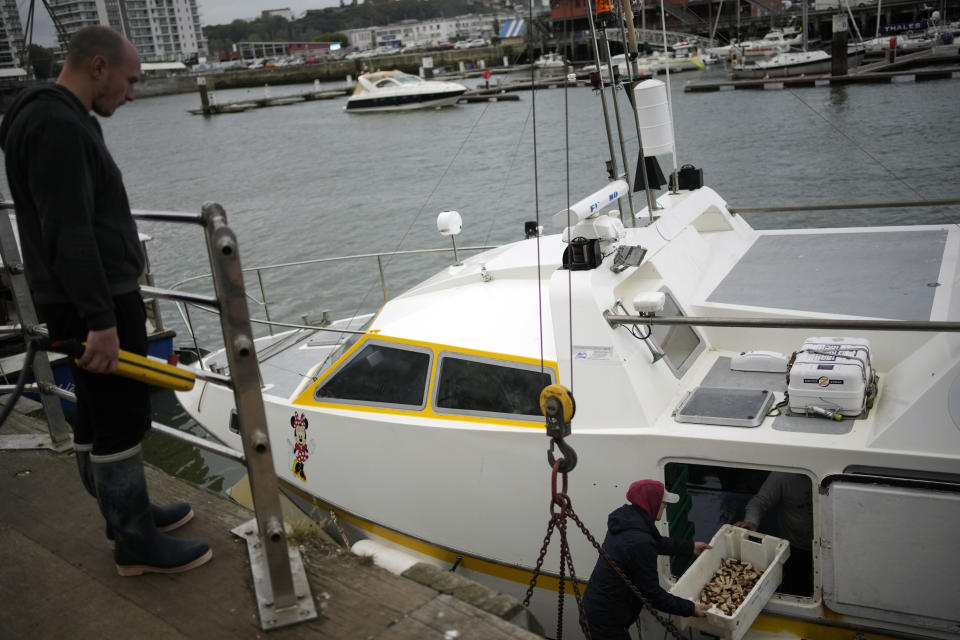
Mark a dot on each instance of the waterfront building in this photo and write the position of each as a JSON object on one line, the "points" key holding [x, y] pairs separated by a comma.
{"points": [[249, 50], [159, 29], [11, 35], [425, 32]]}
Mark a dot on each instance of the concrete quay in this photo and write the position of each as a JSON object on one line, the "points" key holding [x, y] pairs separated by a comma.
{"points": [[59, 579]]}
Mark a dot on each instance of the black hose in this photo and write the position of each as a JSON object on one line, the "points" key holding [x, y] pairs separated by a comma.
{"points": [[21, 381]]}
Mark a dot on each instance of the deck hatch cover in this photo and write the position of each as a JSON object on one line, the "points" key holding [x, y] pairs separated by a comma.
{"points": [[725, 407], [870, 274]]}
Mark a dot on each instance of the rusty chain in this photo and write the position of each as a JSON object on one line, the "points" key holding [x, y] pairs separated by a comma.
{"points": [[558, 520]]}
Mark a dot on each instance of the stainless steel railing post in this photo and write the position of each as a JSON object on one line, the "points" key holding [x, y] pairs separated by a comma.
{"points": [[263, 297], [282, 592], [383, 280], [244, 371]]}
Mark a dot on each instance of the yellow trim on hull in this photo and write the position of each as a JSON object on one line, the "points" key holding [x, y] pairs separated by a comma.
{"points": [[472, 563], [813, 630]]}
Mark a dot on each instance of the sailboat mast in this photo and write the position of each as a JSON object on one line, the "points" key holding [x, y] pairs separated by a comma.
{"points": [[804, 24], [612, 169], [616, 114], [877, 34]]}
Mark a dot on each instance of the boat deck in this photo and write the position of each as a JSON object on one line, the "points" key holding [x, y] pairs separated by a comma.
{"points": [[59, 579]]}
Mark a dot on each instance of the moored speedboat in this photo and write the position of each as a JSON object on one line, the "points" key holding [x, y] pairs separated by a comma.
{"points": [[784, 65], [550, 61], [776, 41], [398, 91]]}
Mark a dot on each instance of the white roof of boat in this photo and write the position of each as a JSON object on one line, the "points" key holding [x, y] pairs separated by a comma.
{"points": [[458, 308]]}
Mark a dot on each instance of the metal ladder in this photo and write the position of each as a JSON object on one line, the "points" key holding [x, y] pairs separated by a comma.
{"points": [[280, 582], [58, 437]]}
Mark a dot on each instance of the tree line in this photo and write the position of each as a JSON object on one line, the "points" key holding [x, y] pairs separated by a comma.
{"points": [[328, 22]]}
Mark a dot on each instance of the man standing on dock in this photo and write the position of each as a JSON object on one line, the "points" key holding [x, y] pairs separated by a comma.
{"points": [[83, 259]]}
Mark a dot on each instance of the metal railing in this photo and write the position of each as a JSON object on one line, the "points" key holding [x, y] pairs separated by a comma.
{"points": [[282, 599], [203, 301], [270, 555], [771, 208], [379, 257]]}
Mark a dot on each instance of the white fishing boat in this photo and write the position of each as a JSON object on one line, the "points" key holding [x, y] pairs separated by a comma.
{"points": [[398, 91], [824, 353]]}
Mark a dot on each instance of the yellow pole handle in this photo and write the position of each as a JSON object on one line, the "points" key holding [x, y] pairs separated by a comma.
{"points": [[159, 374], [136, 367]]}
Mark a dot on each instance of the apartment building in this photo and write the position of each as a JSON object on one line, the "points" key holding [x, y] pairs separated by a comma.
{"points": [[11, 35], [159, 29]]}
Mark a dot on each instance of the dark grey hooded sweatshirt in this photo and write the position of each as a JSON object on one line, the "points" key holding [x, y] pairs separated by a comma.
{"points": [[79, 241]]}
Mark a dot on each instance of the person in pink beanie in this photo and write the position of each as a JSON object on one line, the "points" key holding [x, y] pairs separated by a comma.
{"points": [[634, 543]]}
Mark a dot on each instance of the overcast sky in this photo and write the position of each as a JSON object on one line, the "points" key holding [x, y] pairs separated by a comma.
{"points": [[211, 12], [224, 11]]}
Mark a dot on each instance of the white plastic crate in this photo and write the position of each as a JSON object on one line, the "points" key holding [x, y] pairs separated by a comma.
{"points": [[762, 550]]}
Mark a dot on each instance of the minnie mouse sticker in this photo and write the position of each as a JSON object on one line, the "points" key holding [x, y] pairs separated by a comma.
{"points": [[300, 448]]}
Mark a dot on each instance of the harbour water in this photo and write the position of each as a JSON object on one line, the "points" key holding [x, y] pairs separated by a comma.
{"points": [[309, 181]]}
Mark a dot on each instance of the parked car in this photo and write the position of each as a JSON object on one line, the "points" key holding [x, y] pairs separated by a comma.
{"points": [[312, 60], [479, 42], [445, 46]]}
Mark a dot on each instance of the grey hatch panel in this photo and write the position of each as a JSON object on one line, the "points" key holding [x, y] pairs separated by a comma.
{"points": [[889, 552], [873, 274]]}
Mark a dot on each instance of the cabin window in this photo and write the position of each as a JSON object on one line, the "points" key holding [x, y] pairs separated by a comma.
{"points": [[473, 385], [713, 495], [680, 343], [380, 374]]}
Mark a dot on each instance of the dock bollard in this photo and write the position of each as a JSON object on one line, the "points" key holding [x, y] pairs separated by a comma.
{"points": [[204, 96], [838, 48]]}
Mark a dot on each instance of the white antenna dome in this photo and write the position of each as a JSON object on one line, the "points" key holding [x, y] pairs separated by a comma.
{"points": [[449, 223]]}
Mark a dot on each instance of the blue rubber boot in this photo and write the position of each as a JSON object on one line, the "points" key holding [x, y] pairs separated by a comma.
{"points": [[167, 518], [121, 490]]}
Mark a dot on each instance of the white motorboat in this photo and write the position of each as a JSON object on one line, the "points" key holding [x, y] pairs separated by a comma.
{"points": [[776, 41], [398, 91], [618, 62], [680, 61], [550, 61], [421, 428], [722, 52], [784, 65], [649, 65]]}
